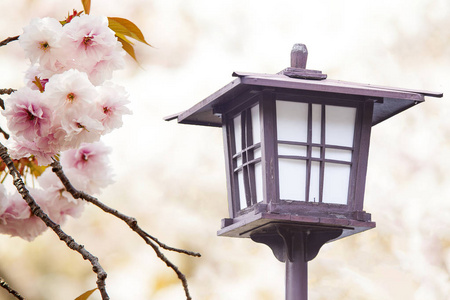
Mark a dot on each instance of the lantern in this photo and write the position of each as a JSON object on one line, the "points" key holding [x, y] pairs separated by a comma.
{"points": [[296, 152]]}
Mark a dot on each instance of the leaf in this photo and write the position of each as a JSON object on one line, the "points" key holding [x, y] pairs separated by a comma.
{"points": [[85, 295], [127, 28], [127, 46], [86, 6]]}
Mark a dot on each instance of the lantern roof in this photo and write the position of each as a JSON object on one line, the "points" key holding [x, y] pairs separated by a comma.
{"points": [[389, 101]]}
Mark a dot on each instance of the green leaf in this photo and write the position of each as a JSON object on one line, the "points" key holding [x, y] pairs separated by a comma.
{"points": [[86, 6], [127, 28], [85, 295]]}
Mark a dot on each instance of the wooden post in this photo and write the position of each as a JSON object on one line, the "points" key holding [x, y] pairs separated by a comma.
{"points": [[297, 269]]}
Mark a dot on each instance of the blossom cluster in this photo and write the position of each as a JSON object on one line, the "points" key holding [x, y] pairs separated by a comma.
{"points": [[87, 168], [66, 105], [67, 99]]}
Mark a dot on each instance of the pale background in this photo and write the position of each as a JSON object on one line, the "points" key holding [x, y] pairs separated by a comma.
{"points": [[171, 177]]}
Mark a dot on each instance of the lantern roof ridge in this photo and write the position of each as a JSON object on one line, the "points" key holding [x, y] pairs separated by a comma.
{"points": [[389, 100]]}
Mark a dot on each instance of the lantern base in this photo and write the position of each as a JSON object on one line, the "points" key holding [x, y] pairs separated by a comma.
{"points": [[245, 226]]}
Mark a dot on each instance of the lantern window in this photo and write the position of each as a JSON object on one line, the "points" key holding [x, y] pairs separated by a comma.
{"points": [[247, 167], [315, 146]]}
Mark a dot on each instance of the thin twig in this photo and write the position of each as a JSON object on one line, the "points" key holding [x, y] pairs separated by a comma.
{"points": [[6, 286], [8, 40], [5, 134], [7, 91], [38, 212], [130, 221]]}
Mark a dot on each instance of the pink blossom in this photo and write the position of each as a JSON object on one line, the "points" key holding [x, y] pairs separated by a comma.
{"points": [[112, 101], [89, 161], [104, 68], [30, 77], [42, 148], [70, 90], [88, 40], [41, 41], [27, 115], [60, 203], [81, 127], [17, 219]]}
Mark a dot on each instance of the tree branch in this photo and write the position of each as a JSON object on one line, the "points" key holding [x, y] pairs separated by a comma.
{"points": [[7, 91], [8, 40], [5, 134], [130, 221], [6, 286], [38, 212]]}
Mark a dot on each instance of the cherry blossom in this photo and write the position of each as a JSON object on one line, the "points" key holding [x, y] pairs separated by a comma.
{"points": [[81, 127], [27, 115], [69, 91], [17, 220], [92, 47], [112, 101], [31, 74], [60, 203], [89, 161], [41, 148], [41, 40], [64, 109]]}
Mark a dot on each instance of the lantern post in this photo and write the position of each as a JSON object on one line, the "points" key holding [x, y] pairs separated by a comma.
{"points": [[296, 150]]}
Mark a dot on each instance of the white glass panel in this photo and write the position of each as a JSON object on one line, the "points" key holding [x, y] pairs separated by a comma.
{"points": [[292, 121], [316, 123], [314, 183], [295, 150], [238, 133], [259, 182], [239, 161], [340, 125], [292, 179], [315, 152], [337, 154], [256, 126], [336, 181], [242, 199], [257, 153]]}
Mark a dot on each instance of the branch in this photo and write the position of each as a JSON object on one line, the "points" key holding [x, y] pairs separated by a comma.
{"points": [[38, 212], [5, 134], [7, 91], [8, 40], [6, 286], [130, 221]]}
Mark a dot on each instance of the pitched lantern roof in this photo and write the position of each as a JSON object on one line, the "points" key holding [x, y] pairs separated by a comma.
{"points": [[389, 101]]}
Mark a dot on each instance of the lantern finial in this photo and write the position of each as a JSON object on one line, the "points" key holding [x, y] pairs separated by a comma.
{"points": [[299, 56]]}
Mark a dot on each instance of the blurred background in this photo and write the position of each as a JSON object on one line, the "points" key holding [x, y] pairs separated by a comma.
{"points": [[171, 177]]}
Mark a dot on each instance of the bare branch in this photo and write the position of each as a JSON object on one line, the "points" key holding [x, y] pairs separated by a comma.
{"points": [[130, 221], [6, 286], [8, 40], [5, 134], [38, 212], [7, 91]]}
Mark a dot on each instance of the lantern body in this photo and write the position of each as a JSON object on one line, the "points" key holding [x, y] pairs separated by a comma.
{"points": [[297, 154]]}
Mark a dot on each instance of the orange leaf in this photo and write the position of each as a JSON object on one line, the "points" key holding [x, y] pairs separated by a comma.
{"points": [[86, 6], [127, 47], [127, 28], [85, 295]]}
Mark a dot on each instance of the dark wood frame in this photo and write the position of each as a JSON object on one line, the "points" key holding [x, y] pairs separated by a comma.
{"points": [[266, 99]]}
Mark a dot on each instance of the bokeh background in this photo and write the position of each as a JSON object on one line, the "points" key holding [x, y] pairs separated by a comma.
{"points": [[171, 177]]}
